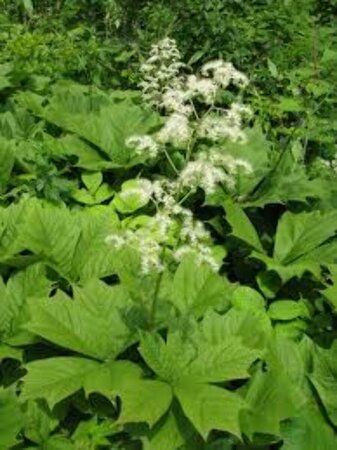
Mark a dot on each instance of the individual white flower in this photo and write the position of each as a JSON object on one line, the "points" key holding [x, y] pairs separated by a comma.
{"points": [[144, 145], [176, 130], [204, 87]]}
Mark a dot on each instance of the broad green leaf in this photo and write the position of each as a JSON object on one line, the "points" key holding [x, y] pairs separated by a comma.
{"points": [[55, 379], [210, 407], [197, 288], [308, 431], [52, 233], [274, 393], [142, 400], [26, 283], [242, 228], [92, 180], [246, 298], [94, 117], [93, 257], [287, 181], [287, 310], [39, 422], [75, 325], [298, 234], [134, 195], [11, 418], [324, 379], [207, 353], [145, 401]]}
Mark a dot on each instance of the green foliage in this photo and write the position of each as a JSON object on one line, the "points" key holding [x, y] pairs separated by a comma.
{"points": [[230, 346]]}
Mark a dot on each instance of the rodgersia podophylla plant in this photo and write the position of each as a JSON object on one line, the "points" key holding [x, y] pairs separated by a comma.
{"points": [[196, 124]]}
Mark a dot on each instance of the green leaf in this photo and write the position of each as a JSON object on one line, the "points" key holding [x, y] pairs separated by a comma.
{"points": [[55, 379], [298, 234], [75, 324], [210, 407], [324, 379], [242, 227], [134, 195], [197, 288], [166, 435], [287, 181], [145, 401], [273, 394], [288, 104], [308, 431], [208, 353], [93, 257], [92, 180], [51, 233], [287, 310], [246, 298], [98, 119], [142, 400], [39, 422], [7, 157], [10, 418]]}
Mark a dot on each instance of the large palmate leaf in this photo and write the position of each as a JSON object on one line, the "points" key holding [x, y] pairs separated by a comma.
{"points": [[197, 288], [93, 328], [208, 353], [11, 418], [54, 379], [104, 122]]}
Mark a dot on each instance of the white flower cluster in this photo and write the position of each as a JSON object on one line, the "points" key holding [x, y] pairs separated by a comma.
{"points": [[227, 125], [187, 122], [166, 89], [149, 241], [160, 71], [224, 73], [142, 144], [211, 169]]}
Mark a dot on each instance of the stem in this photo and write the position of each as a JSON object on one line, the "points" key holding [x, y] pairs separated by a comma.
{"points": [[171, 162], [152, 314]]}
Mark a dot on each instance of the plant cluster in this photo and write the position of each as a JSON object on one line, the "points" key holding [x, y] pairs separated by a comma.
{"points": [[168, 264]]}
